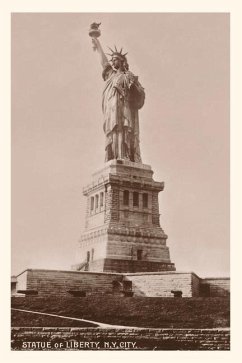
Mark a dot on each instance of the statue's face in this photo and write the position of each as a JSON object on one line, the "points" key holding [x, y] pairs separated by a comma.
{"points": [[116, 62]]}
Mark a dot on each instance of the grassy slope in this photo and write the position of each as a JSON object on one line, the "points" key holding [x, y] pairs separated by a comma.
{"points": [[23, 319], [135, 311]]}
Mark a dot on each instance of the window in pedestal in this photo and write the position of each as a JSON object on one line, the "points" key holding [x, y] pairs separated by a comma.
{"points": [[126, 197], [96, 201], [135, 199], [92, 257], [101, 199], [139, 254], [92, 203], [88, 256], [145, 200]]}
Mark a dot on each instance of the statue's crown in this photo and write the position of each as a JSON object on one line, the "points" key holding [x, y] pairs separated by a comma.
{"points": [[116, 53]]}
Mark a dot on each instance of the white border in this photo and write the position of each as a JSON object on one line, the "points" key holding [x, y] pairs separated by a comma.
{"points": [[231, 6]]}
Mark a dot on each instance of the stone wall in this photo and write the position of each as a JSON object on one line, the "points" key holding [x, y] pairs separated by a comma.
{"points": [[58, 283], [151, 284], [93, 242], [22, 281], [195, 285], [146, 339], [163, 283], [215, 286]]}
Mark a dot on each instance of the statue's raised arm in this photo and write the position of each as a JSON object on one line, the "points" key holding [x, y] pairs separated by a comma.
{"points": [[95, 33], [97, 46], [123, 96]]}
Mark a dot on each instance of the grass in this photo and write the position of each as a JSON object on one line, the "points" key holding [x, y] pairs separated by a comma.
{"points": [[144, 312], [23, 319]]}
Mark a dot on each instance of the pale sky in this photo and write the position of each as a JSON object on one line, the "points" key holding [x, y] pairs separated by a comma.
{"points": [[182, 61]]}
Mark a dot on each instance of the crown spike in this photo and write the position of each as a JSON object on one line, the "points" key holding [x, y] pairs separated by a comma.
{"points": [[111, 49], [115, 48]]}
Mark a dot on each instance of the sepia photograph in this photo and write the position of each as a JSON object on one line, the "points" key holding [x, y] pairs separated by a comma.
{"points": [[120, 181]]}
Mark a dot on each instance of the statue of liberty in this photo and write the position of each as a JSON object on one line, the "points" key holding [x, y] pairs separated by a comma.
{"points": [[123, 96]]}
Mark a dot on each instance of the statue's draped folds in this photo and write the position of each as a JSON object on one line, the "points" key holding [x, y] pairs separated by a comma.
{"points": [[122, 97]]}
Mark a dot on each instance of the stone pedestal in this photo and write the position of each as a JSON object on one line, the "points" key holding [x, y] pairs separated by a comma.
{"points": [[122, 229]]}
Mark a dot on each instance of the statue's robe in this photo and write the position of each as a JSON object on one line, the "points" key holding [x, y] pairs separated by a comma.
{"points": [[123, 95]]}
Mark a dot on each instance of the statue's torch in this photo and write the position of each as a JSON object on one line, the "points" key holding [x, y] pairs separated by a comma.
{"points": [[94, 32]]}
